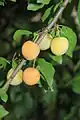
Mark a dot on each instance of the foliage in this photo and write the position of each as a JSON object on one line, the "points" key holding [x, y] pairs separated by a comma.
{"points": [[71, 36], [3, 63], [47, 71], [18, 34], [54, 95], [3, 112]]}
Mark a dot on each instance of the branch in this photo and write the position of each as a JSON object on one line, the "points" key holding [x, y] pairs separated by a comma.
{"points": [[38, 41], [58, 14], [56, 17], [6, 85]]}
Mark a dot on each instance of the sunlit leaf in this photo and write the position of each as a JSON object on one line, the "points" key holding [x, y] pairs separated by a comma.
{"points": [[47, 71], [57, 59], [3, 63], [3, 112], [43, 1], [72, 38], [46, 13], [19, 33], [34, 7], [3, 95], [57, 6], [14, 64]]}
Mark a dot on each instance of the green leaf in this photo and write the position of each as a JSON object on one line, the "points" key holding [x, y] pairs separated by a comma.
{"points": [[3, 95], [3, 63], [46, 13], [35, 36], [3, 112], [43, 1], [79, 11], [34, 7], [76, 84], [57, 6], [57, 59], [47, 71], [50, 20], [18, 34], [72, 38], [14, 64]]}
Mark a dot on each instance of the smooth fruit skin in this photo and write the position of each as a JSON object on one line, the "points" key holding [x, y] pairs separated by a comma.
{"points": [[31, 76], [46, 42], [17, 79], [30, 50], [59, 46]]}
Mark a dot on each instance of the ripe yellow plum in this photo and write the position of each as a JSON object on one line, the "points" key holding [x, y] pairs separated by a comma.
{"points": [[31, 76], [17, 79], [59, 46], [46, 42], [30, 50]]}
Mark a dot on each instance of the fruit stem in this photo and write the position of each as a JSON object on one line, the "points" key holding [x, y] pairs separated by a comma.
{"points": [[34, 61]]}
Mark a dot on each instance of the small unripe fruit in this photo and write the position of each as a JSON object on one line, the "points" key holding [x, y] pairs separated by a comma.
{"points": [[59, 45], [46, 42], [17, 79], [30, 50], [31, 76]]}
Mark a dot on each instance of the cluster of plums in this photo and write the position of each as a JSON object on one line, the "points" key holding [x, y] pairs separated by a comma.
{"points": [[31, 50]]}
